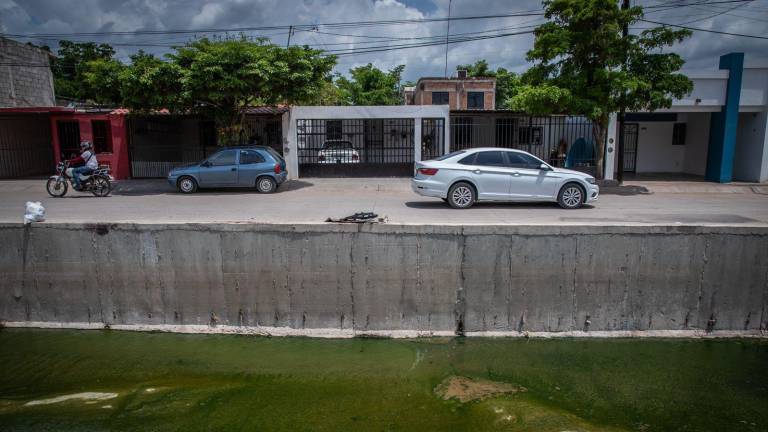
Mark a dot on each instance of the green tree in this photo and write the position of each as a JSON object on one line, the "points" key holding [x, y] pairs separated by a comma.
{"points": [[221, 79], [507, 83], [70, 65], [583, 65], [370, 85]]}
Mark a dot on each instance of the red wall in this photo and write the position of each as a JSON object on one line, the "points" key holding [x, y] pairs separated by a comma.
{"points": [[117, 159]]}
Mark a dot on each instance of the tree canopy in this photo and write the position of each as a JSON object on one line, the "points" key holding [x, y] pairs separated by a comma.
{"points": [[507, 83], [70, 65], [218, 79], [369, 85], [583, 65]]}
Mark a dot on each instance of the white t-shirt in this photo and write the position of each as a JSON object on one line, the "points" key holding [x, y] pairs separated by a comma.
{"points": [[90, 159]]}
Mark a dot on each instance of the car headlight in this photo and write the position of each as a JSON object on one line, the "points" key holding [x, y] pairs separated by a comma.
{"points": [[591, 180]]}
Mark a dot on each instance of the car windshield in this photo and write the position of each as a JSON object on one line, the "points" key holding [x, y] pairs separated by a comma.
{"points": [[342, 145], [449, 155]]}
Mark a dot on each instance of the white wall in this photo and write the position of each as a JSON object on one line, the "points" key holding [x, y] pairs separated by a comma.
{"points": [[656, 154], [696, 142], [750, 161], [754, 89], [416, 112]]}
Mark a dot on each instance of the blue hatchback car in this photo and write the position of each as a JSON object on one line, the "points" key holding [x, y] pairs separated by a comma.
{"points": [[253, 166]]}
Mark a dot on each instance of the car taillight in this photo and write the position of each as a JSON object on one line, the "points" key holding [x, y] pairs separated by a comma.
{"points": [[428, 171], [355, 156], [277, 168]]}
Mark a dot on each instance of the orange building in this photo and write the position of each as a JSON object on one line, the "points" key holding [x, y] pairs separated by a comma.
{"points": [[459, 93]]}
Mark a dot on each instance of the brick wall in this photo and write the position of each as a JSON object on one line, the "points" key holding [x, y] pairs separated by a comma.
{"points": [[24, 86]]}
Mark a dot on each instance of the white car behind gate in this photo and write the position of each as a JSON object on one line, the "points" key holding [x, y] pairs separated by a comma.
{"points": [[464, 177]]}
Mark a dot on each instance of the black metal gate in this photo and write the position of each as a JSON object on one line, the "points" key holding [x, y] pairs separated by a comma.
{"points": [[432, 138], [25, 145], [630, 146], [562, 141], [159, 143], [355, 147]]}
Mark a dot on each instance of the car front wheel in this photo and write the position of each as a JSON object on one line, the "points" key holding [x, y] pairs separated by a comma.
{"points": [[571, 196], [187, 185], [461, 195]]}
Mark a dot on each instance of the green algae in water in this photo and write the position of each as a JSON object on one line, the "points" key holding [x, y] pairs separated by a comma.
{"points": [[206, 382]]}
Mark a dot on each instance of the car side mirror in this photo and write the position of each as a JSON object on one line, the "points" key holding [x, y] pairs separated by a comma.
{"points": [[544, 167]]}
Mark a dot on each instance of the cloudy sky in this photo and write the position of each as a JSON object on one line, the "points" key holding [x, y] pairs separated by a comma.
{"points": [[33, 20]]}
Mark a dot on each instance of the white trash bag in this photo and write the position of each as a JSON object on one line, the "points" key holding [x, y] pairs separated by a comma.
{"points": [[35, 212]]}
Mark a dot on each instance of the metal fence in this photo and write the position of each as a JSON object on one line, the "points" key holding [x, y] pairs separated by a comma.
{"points": [[355, 147], [159, 143], [432, 138], [562, 141], [25, 146]]}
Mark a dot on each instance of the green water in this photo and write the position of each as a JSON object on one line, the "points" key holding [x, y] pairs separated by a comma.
{"points": [[203, 382]]}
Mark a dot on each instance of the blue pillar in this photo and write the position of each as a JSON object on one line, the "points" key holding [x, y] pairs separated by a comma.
{"points": [[723, 125]]}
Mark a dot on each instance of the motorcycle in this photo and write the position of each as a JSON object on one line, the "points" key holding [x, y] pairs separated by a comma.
{"points": [[99, 182]]}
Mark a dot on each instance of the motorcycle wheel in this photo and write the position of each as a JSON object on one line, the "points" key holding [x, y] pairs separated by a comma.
{"points": [[56, 188], [101, 186]]}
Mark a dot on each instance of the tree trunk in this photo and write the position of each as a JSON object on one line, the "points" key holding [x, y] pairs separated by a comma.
{"points": [[599, 135]]}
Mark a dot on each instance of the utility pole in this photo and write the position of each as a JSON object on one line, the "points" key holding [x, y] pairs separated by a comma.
{"points": [[447, 32], [290, 33], [622, 109]]}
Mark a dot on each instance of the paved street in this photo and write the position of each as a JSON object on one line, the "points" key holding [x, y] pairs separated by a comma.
{"points": [[314, 200]]}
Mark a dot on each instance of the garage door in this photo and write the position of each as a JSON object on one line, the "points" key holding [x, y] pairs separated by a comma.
{"points": [[355, 147]]}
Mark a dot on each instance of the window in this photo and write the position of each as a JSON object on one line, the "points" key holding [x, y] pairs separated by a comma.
{"points": [[250, 157], [469, 160], [491, 158], [333, 129], [69, 137], [449, 155], [338, 145], [678, 134], [475, 100], [528, 135], [440, 98], [102, 136], [226, 157], [521, 160]]}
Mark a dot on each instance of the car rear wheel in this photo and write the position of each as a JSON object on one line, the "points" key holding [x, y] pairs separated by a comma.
{"points": [[187, 185], [266, 184], [571, 196], [461, 195]]}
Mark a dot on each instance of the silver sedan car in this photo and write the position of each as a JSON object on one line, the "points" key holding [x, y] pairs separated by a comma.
{"points": [[464, 177]]}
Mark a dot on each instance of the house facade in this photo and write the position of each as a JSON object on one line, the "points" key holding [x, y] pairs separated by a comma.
{"points": [[718, 131], [459, 93]]}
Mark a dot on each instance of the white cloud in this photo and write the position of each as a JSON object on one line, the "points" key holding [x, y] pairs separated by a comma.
{"points": [[55, 16]]}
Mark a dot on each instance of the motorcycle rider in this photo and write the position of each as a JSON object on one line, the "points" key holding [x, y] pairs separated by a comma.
{"points": [[85, 164]]}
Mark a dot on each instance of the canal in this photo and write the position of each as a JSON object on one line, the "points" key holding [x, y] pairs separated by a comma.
{"points": [[108, 380]]}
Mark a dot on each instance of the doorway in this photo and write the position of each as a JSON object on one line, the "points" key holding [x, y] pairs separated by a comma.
{"points": [[630, 146]]}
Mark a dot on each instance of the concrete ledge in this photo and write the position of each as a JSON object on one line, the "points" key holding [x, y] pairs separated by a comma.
{"points": [[439, 229], [332, 333]]}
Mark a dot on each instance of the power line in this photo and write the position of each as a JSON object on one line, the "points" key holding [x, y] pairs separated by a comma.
{"points": [[536, 12], [704, 30]]}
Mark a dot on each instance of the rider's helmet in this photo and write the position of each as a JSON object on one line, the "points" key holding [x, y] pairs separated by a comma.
{"points": [[85, 145]]}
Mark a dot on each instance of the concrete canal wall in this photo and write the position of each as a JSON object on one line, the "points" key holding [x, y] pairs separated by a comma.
{"points": [[385, 279]]}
